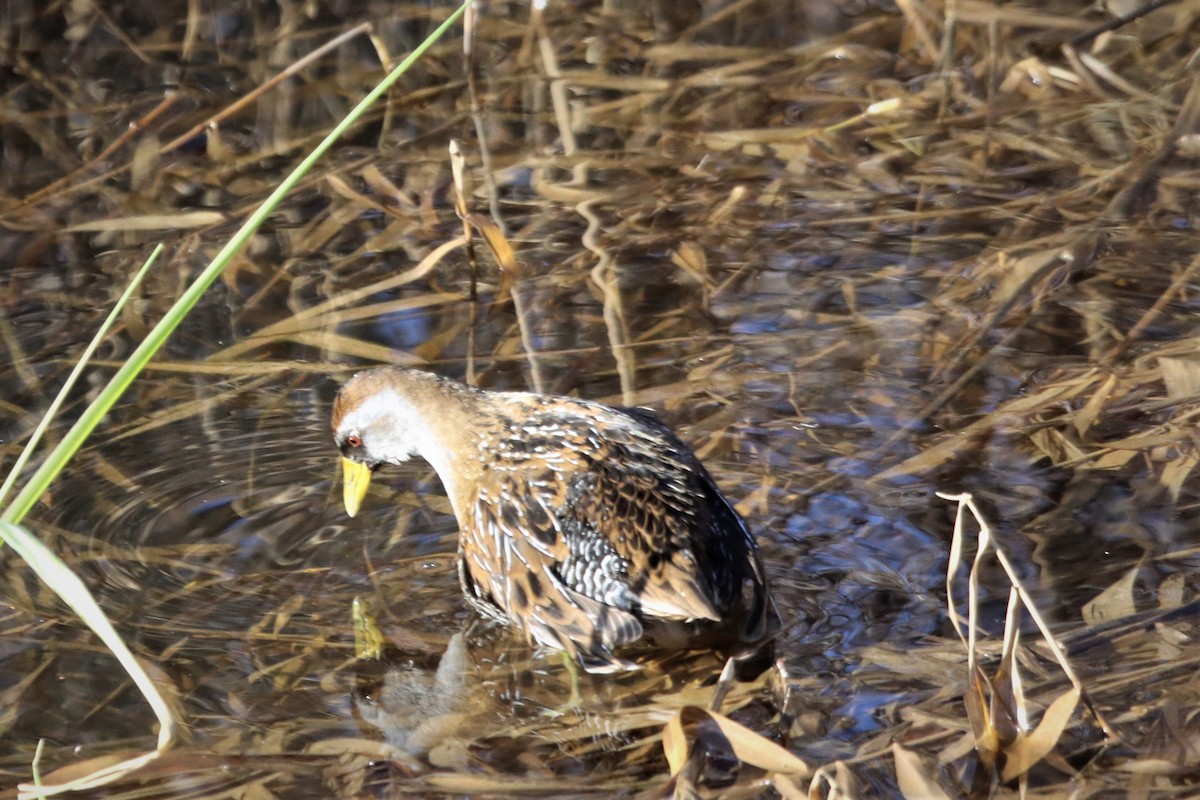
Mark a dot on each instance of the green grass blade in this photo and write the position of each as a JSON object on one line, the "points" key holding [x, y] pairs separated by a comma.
{"points": [[61, 397], [40, 559], [67, 585], [91, 416]]}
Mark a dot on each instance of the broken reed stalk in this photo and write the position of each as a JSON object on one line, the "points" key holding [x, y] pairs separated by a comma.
{"points": [[1001, 721], [509, 268], [604, 273], [470, 65], [460, 208]]}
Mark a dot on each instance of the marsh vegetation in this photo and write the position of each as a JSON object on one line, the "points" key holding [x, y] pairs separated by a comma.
{"points": [[855, 253]]}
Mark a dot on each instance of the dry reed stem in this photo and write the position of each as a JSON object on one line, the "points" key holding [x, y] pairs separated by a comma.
{"points": [[986, 544]]}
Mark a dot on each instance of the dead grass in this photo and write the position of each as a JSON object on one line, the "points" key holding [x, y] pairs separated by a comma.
{"points": [[981, 234]]}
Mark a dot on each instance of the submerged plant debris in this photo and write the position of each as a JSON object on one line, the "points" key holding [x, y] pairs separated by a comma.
{"points": [[855, 253]]}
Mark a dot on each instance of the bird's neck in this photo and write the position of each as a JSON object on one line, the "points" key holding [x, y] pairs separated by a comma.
{"points": [[445, 432]]}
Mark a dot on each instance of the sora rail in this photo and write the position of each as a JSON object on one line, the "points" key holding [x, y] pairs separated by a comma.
{"points": [[586, 527]]}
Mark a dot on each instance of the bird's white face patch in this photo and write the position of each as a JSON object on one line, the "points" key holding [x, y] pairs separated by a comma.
{"points": [[388, 424]]}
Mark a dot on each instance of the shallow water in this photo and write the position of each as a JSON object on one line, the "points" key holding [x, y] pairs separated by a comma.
{"points": [[795, 337]]}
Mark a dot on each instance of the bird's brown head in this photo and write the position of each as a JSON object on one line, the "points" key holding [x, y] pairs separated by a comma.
{"points": [[374, 422]]}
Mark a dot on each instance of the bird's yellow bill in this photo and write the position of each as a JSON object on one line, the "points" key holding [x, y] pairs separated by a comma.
{"points": [[356, 479]]}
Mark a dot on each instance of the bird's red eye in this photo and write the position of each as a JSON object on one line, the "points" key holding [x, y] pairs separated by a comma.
{"points": [[354, 440]]}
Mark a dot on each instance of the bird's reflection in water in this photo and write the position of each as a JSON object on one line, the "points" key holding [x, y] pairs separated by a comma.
{"points": [[415, 707]]}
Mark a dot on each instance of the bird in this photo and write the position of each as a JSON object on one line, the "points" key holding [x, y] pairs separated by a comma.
{"points": [[587, 527]]}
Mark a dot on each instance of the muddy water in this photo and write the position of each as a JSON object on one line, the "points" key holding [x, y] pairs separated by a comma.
{"points": [[745, 293]]}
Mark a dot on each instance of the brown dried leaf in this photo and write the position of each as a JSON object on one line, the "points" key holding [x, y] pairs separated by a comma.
{"points": [[1031, 749], [348, 346], [957, 749], [877, 172], [385, 188], [915, 781], [1008, 697], [1113, 459], [1170, 592], [753, 748], [1163, 436], [360, 201], [150, 222], [940, 453], [691, 258], [967, 437], [675, 743], [1087, 415], [1181, 377], [840, 784], [458, 173], [144, 166], [78, 770], [618, 83], [396, 235], [1177, 471], [317, 233], [1020, 271], [987, 741], [284, 613], [497, 242], [1114, 602], [1051, 443], [749, 747]]}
